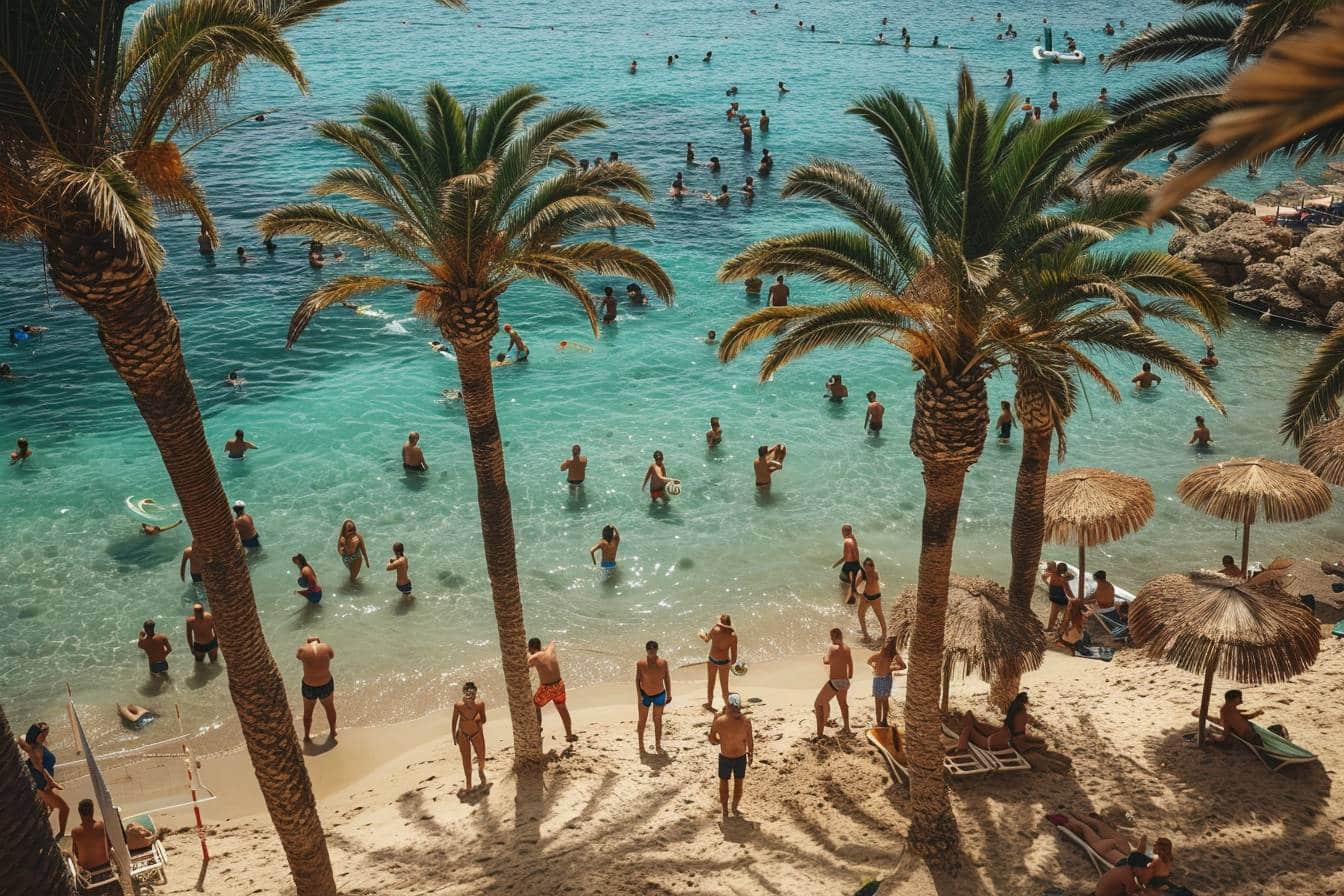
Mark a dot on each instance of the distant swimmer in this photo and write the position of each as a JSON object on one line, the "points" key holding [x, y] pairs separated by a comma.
{"points": [[779, 293], [801, 26], [315, 258], [678, 188], [767, 163], [671, 58], [552, 689], [731, 91], [21, 452], [243, 257], [655, 478], [1210, 359], [468, 727], [189, 562], [714, 165], [1005, 421], [608, 305], [1008, 78], [575, 467], [269, 245], [723, 197], [1145, 378], [238, 446], [849, 560], [7, 373], [634, 66], [713, 435], [247, 531], [634, 293], [732, 112], [402, 567], [1054, 101], [782, 89], [318, 685], [135, 716], [1103, 97], [872, 419], [690, 153], [709, 56], [744, 126], [501, 360], [309, 588], [836, 390], [768, 462], [880, 39], [722, 641], [764, 122], [442, 348], [234, 380], [606, 546], [351, 549], [1109, 30], [412, 457], [749, 189], [201, 639], [1201, 437], [516, 344], [711, 338], [205, 243], [935, 41], [653, 688], [156, 648], [151, 529]]}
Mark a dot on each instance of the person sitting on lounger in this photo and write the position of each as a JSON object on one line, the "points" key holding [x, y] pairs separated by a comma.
{"points": [[1013, 731], [139, 837], [1237, 721], [1103, 839], [88, 839]]}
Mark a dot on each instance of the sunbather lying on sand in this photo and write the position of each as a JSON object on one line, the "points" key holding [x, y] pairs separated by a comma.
{"points": [[1105, 840]]}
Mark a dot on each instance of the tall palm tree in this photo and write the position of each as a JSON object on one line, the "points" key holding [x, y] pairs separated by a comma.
{"points": [[1078, 304], [89, 131], [942, 289], [467, 205], [1173, 111], [30, 856]]}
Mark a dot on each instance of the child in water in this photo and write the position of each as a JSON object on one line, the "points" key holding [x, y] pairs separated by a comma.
{"points": [[1005, 422]]}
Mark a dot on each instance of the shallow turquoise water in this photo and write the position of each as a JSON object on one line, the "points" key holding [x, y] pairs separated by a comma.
{"points": [[331, 414]]}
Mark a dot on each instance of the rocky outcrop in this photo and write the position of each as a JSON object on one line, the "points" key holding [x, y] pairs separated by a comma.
{"points": [[1205, 208], [1226, 251]]}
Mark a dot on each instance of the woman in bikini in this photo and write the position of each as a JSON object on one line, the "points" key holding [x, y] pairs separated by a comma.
{"points": [[1104, 840], [1013, 731], [469, 730], [350, 545], [1057, 583], [42, 765]]}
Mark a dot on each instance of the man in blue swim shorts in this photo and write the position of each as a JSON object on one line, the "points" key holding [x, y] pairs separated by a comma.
{"points": [[610, 541], [653, 688], [731, 733]]}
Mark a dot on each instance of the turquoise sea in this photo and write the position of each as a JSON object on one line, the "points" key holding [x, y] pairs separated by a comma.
{"points": [[331, 414]]}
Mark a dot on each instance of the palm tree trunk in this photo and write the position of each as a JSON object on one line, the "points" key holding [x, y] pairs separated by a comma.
{"points": [[501, 561], [140, 335], [947, 434], [34, 863], [1027, 535]]}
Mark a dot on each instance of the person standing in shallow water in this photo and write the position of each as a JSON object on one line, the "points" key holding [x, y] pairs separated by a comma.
{"points": [[318, 685], [201, 638], [872, 420], [779, 293], [1005, 421], [468, 727], [412, 457], [309, 589], [156, 648], [656, 479], [350, 545], [402, 567], [575, 467], [849, 560]]}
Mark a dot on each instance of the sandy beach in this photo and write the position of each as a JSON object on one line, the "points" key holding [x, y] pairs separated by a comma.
{"points": [[817, 817]]}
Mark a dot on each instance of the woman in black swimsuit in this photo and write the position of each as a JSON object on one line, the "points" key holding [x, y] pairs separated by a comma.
{"points": [[469, 730]]}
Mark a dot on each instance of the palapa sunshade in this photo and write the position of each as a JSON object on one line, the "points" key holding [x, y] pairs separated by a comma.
{"points": [[1088, 507], [1322, 451], [1206, 622], [1243, 488], [983, 633]]}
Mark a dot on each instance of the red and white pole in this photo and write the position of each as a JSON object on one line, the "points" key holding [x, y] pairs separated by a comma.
{"points": [[191, 785]]}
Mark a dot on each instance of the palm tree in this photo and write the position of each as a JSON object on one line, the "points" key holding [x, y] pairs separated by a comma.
{"points": [[1068, 328], [943, 289], [1173, 111], [468, 208], [89, 130], [34, 863]]}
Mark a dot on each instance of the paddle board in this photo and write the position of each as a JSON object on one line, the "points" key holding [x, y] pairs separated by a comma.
{"points": [[148, 508]]}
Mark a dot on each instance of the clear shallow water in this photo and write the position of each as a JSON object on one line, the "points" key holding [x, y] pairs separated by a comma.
{"points": [[331, 414]]}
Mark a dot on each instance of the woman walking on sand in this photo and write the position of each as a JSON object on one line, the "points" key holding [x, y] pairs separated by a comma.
{"points": [[469, 731], [350, 545]]}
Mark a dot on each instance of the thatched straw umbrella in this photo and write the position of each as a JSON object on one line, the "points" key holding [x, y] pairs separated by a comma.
{"points": [[1088, 507], [1207, 622], [1322, 451], [984, 633], [1240, 488]]}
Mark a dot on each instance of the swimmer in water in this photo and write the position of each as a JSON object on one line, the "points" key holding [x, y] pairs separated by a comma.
{"points": [[709, 56], [714, 164], [782, 89], [309, 588], [635, 295], [767, 163], [205, 243], [1005, 421], [690, 153], [412, 457], [608, 305], [880, 39], [1210, 359], [151, 529], [350, 547], [234, 380], [201, 638], [189, 561], [768, 462], [607, 545], [764, 122], [1146, 379], [836, 390], [656, 479], [243, 257], [749, 188], [678, 188], [714, 435], [247, 530], [1201, 438], [634, 66], [402, 567], [575, 467], [721, 199], [237, 447], [441, 348], [20, 453], [501, 360], [872, 419], [711, 337]]}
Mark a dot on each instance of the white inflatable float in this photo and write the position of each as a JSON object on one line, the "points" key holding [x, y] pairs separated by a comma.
{"points": [[1041, 54]]}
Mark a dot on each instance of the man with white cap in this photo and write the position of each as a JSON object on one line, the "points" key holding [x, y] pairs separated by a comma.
{"points": [[731, 732], [247, 530]]}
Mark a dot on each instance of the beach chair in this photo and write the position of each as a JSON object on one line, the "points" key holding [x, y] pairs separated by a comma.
{"points": [[150, 863], [1006, 759], [88, 880], [1097, 860], [885, 741], [1274, 751], [1116, 627]]}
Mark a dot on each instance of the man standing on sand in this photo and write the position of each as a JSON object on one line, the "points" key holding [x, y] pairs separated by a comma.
{"points": [[840, 663], [731, 733], [849, 560], [722, 640], [779, 293], [872, 421], [575, 468], [653, 687], [156, 648], [552, 689], [318, 685], [247, 530], [201, 640], [412, 458]]}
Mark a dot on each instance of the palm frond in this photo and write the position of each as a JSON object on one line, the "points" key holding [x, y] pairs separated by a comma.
{"points": [[871, 317], [1266, 21], [334, 292], [909, 133], [493, 128], [610, 259], [1320, 386], [845, 257], [1194, 34], [558, 272], [1117, 336], [331, 225], [1176, 123], [537, 147], [1154, 271], [113, 196]]}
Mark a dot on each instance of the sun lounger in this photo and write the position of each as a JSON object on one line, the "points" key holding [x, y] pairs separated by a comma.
{"points": [[1116, 627], [1274, 751], [1006, 759], [1097, 860], [884, 740], [1338, 630], [88, 880], [150, 863]]}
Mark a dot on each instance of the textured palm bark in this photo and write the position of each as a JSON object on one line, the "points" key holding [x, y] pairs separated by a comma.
{"points": [[140, 335], [28, 852], [501, 561], [947, 435], [1027, 535]]}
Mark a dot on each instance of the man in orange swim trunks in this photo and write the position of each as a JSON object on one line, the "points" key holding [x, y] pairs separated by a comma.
{"points": [[552, 688]]}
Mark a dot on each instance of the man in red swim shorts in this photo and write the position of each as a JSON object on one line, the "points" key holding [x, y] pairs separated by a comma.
{"points": [[552, 688]]}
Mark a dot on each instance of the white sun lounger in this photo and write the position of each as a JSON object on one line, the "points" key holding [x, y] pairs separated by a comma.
{"points": [[1097, 860], [885, 740], [1274, 751], [1006, 759], [149, 864]]}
